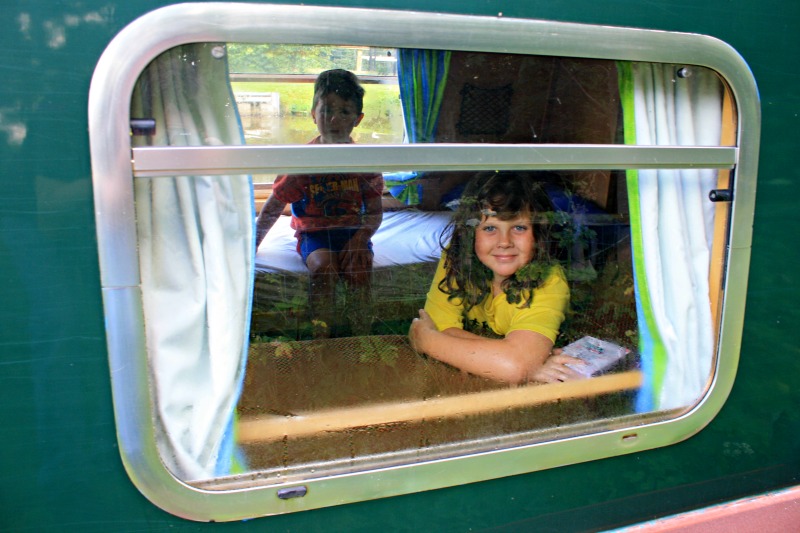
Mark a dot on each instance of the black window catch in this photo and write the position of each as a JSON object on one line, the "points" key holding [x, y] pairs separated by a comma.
{"points": [[720, 195], [143, 126]]}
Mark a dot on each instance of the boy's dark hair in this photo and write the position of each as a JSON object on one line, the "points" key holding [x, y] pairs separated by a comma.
{"points": [[505, 195], [341, 82]]}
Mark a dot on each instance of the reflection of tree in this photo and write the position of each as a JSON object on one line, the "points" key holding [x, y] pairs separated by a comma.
{"points": [[288, 59]]}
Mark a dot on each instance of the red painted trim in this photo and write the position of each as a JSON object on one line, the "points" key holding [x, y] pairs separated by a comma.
{"points": [[773, 511]]}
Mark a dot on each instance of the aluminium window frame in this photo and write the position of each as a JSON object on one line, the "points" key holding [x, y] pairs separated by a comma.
{"points": [[115, 165]]}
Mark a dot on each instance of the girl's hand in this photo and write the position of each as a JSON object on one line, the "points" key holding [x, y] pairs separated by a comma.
{"points": [[420, 327], [555, 368]]}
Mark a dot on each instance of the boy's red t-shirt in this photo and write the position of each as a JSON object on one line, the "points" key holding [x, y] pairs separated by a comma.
{"points": [[326, 201]]}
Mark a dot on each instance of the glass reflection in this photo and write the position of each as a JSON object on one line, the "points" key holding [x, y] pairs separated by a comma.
{"points": [[423, 95], [318, 400], [331, 374]]}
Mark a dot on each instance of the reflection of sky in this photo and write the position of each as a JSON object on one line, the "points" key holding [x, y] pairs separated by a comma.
{"points": [[56, 29], [15, 131], [52, 33]]}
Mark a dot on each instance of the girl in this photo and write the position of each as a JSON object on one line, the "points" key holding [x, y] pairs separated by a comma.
{"points": [[495, 278]]}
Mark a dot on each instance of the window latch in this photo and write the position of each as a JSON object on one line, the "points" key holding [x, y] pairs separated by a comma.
{"points": [[143, 126], [720, 195]]}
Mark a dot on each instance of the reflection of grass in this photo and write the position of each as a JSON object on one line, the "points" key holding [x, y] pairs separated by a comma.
{"points": [[280, 304], [375, 349], [604, 308], [383, 121], [294, 96], [368, 349]]}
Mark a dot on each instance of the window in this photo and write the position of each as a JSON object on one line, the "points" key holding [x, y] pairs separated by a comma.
{"points": [[220, 382], [273, 87]]}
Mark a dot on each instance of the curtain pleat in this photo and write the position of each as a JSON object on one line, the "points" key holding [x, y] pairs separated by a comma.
{"points": [[671, 227], [196, 248]]}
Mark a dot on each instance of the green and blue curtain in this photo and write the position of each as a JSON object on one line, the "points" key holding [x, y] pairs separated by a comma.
{"points": [[672, 228], [422, 77]]}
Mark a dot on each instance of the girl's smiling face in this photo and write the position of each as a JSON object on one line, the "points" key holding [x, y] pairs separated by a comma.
{"points": [[335, 118], [504, 246]]}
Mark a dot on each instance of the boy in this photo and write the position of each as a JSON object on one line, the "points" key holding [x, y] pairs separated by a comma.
{"points": [[333, 215]]}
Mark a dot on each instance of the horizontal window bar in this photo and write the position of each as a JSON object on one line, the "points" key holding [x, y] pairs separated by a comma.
{"points": [[221, 160], [365, 79]]}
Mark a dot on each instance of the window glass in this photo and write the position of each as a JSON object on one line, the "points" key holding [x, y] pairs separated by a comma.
{"points": [[469, 96], [363, 393], [562, 214], [274, 89], [331, 375]]}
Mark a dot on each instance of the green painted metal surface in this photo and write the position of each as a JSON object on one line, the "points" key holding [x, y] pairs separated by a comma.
{"points": [[59, 463]]}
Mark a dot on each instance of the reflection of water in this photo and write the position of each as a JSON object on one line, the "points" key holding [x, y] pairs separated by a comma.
{"points": [[299, 129]]}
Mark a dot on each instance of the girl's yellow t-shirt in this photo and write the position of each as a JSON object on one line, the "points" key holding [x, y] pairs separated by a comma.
{"points": [[545, 314]]}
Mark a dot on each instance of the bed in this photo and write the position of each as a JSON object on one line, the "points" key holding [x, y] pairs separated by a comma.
{"points": [[406, 251]]}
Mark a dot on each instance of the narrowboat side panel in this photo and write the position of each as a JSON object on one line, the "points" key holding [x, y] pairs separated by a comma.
{"points": [[60, 460]]}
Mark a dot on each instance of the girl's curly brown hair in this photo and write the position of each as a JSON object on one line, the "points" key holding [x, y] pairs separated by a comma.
{"points": [[508, 194]]}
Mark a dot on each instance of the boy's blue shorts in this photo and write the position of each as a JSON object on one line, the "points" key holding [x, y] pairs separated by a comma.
{"points": [[333, 239]]}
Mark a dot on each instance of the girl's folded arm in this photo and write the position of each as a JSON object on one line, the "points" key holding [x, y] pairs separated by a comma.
{"points": [[513, 359]]}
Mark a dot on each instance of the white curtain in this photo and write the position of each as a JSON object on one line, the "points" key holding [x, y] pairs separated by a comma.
{"points": [[196, 251], [672, 105]]}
